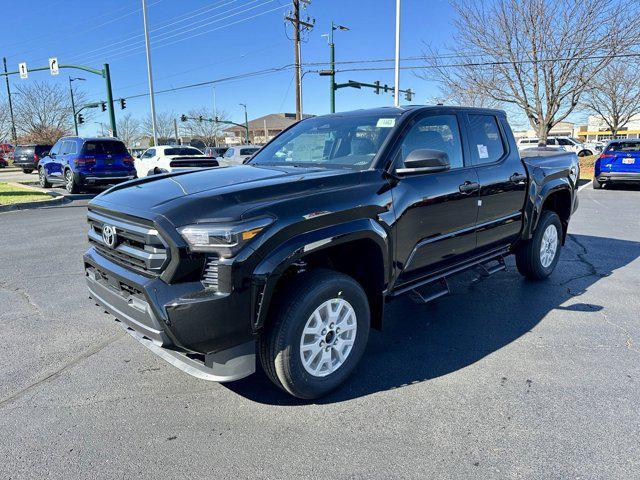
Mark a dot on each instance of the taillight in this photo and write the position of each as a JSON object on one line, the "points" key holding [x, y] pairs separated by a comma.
{"points": [[606, 155], [35, 157], [128, 160], [85, 162]]}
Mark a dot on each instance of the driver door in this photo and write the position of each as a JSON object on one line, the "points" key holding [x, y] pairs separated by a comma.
{"points": [[436, 213]]}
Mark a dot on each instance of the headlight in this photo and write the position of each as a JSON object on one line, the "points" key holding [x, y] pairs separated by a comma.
{"points": [[225, 239]]}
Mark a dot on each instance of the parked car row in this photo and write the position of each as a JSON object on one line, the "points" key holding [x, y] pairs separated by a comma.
{"points": [[568, 144]]}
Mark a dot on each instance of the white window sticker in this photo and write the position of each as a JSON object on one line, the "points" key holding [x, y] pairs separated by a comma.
{"points": [[483, 152], [386, 123]]}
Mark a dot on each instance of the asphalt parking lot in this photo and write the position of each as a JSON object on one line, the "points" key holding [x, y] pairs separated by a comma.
{"points": [[504, 378]]}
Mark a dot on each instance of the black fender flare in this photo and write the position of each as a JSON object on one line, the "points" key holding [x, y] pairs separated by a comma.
{"points": [[267, 273], [537, 196]]}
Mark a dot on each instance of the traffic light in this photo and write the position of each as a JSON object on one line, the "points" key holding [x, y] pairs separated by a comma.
{"points": [[386, 88], [123, 104], [183, 118], [103, 106], [80, 118], [377, 83], [408, 95], [200, 118]]}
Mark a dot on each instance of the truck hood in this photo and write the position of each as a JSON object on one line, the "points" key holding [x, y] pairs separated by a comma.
{"points": [[224, 192]]}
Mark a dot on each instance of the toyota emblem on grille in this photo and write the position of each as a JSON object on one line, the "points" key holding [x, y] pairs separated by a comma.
{"points": [[109, 235]]}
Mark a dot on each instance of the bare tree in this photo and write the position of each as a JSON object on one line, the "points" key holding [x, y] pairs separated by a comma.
{"points": [[128, 129], [208, 132], [537, 55], [5, 122], [164, 127], [43, 111], [614, 94]]}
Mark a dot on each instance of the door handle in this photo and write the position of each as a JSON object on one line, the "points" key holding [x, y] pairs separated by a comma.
{"points": [[517, 178], [468, 187]]}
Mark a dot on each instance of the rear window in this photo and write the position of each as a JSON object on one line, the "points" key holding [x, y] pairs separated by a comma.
{"points": [[486, 140], [182, 151], [624, 147], [248, 151], [110, 147], [26, 150]]}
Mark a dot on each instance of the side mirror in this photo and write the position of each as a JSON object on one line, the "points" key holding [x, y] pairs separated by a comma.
{"points": [[425, 161], [52, 155]]}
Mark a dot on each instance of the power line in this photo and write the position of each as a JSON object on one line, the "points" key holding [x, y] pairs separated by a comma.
{"points": [[136, 50]]}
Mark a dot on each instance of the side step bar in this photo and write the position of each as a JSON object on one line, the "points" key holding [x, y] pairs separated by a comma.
{"points": [[488, 265]]}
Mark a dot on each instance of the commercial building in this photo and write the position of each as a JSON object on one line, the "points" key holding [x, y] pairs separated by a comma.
{"points": [[261, 129], [597, 130]]}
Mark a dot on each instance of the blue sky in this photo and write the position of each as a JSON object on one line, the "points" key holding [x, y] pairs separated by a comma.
{"points": [[196, 41]]}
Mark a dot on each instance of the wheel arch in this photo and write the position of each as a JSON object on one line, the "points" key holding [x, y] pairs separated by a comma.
{"points": [[359, 249], [555, 196]]}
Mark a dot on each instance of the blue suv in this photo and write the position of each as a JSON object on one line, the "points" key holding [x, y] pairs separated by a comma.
{"points": [[81, 162]]}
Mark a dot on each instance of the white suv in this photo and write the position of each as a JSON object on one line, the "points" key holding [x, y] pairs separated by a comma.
{"points": [[171, 158], [237, 154], [567, 144]]}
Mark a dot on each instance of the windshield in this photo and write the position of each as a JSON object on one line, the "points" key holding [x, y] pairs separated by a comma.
{"points": [[349, 141], [182, 151], [624, 147]]}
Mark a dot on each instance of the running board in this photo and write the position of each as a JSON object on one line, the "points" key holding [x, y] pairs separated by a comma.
{"points": [[423, 297], [496, 255]]}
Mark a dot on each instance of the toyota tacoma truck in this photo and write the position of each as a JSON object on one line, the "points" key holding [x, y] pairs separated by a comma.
{"points": [[290, 259]]}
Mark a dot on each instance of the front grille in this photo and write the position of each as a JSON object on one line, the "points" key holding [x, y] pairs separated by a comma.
{"points": [[138, 246], [210, 274]]}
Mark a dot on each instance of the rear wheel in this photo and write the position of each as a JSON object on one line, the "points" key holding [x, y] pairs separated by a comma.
{"points": [[537, 258], [585, 153], [70, 182], [42, 178], [319, 332], [27, 170]]}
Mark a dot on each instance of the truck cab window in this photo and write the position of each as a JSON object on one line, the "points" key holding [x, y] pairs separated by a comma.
{"points": [[435, 132], [486, 139]]}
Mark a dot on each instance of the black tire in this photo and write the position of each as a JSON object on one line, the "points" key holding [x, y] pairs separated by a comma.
{"points": [[42, 178], [597, 185], [27, 170], [585, 153], [279, 346], [70, 182], [528, 254]]}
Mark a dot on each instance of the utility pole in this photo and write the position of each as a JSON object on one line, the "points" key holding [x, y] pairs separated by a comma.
{"points": [[175, 130], [154, 125], [14, 136], [246, 123], [294, 18], [73, 103], [397, 79]]}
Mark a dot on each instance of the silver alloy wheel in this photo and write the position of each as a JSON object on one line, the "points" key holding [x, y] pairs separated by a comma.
{"points": [[328, 337], [69, 177], [42, 177], [548, 245]]}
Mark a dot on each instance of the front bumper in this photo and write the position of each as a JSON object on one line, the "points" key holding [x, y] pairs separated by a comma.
{"points": [[204, 334], [618, 177]]}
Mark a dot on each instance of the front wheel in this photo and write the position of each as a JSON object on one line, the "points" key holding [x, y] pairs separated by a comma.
{"points": [[319, 330], [70, 182], [537, 258]]}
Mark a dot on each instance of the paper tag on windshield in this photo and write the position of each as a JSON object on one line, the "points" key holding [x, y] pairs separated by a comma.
{"points": [[483, 152], [386, 123]]}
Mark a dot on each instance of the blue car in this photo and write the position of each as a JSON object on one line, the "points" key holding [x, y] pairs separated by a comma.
{"points": [[84, 162], [619, 162]]}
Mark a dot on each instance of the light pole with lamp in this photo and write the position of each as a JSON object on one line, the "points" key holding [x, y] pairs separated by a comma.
{"points": [[73, 103], [246, 122]]}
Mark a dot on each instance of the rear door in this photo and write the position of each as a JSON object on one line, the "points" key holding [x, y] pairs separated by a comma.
{"points": [[108, 156], [502, 177]]}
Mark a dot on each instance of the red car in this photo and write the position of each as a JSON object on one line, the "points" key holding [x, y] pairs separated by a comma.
{"points": [[5, 150]]}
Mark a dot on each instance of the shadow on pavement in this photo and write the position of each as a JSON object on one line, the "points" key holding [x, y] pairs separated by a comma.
{"points": [[421, 342]]}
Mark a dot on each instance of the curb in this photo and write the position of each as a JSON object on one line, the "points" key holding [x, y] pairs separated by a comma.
{"points": [[58, 199]]}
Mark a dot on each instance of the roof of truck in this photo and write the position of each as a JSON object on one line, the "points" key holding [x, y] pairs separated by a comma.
{"points": [[411, 108]]}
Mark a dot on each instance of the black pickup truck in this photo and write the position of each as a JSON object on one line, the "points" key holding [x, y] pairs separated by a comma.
{"points": [[292, 256]]}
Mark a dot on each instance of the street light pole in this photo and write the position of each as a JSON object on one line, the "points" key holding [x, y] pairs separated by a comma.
{"points": [[246, 123], [73, 103], [13, 122], [332, 66], [154, 125], [397, 79]]}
